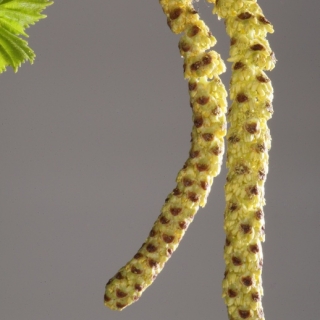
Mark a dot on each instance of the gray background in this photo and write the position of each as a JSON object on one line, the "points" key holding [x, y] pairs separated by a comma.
{"points": [[92, 137]]}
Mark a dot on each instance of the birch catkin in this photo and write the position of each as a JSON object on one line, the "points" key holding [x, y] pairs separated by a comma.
{"points": [[208, 102], [248, 142]]}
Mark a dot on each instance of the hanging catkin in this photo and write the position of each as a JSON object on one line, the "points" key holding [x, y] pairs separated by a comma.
{"points": [[208, 102], [248, 142]]}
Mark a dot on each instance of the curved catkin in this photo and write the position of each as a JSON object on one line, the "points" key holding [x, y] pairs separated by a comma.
{"points": [[208, 102], [248, 142]]}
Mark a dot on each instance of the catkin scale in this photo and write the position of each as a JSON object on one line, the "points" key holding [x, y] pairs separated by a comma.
{"points": [[208, 102], [248, 142]]}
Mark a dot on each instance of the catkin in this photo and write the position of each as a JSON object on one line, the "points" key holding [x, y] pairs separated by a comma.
{"points": [[208, 102], [248, 142]]}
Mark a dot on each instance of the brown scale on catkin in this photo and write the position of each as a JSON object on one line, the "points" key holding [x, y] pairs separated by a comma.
{"points": [[248, 142], [208, 102]]}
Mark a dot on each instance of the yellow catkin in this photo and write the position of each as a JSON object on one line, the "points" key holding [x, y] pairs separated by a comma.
{"points": [[248, 142], [208, 102]]}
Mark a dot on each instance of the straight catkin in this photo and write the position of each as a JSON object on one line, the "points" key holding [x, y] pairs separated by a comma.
{"points": [[248, 142], [208, 102]]}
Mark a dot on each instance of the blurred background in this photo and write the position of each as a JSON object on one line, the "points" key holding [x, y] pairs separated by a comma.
{"points": [[92, 136]]}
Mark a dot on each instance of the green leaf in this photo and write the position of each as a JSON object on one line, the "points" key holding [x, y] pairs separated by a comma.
{"points": [[15, 17]]}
